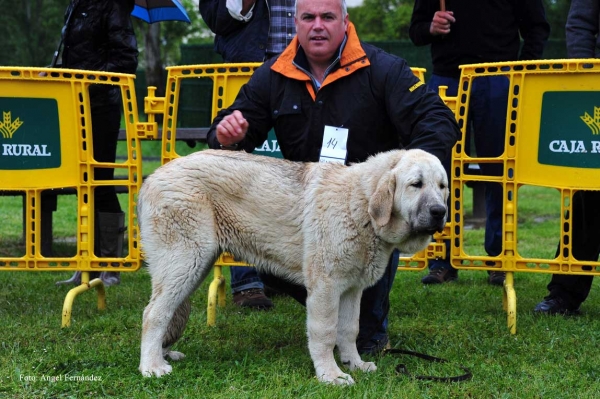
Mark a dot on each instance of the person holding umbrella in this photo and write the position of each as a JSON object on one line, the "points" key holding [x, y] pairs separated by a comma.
{"points": [[99, 36]]}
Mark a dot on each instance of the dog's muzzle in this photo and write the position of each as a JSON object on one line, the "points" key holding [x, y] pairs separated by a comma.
{"points": [[438, 214], [436, 220]]}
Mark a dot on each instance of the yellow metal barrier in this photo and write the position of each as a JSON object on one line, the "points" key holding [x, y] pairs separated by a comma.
{"points": [[46, 144], [553, 118], [227, 81]]}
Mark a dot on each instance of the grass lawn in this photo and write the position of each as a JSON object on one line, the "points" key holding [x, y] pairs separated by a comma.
{"points": [[264, 355]]}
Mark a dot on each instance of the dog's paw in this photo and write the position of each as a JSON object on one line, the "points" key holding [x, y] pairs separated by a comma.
{"points": [[358, 364], [366, 366], [174, 355], [337, 379], [157, 370]]}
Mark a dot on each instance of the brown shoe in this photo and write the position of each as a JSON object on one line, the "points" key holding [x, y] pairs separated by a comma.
{"points": [[440, 275], [253, 298], [496, 278]]}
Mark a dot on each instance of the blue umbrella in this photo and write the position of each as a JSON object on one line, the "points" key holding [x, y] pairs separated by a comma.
{"points": [[159, 10]]}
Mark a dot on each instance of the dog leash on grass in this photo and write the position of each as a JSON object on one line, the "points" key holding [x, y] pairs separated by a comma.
{"points": [[401, 368]]}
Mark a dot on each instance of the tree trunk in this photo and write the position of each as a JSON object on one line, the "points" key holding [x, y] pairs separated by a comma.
{"points": [[154, 67]]}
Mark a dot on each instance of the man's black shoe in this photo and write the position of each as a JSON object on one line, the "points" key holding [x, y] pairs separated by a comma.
{"points": [[496, 278], [254, 298], [556, 305], [374, 346]]}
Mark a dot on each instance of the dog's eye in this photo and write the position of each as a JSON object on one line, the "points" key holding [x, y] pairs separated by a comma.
{"points": [[442, 186], [417, 184]]}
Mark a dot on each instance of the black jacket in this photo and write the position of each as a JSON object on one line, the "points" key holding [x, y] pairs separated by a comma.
{"points": [[100, 37], [373, 94], [235, 40], [484, 31]]}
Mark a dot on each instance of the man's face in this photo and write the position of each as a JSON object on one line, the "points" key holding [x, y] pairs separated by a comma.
{"points": [[320, 28]]}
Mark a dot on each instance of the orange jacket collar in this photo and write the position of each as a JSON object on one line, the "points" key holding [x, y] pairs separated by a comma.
{"points": [[353, 58]]}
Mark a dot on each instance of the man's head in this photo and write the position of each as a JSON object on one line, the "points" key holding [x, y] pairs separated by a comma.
{"points": [[320, 27]]}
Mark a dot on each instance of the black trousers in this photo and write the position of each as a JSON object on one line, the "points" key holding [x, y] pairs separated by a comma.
{"points": [[106, 121], [575, 289]]}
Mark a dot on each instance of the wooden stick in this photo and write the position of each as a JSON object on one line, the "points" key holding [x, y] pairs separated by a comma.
{"points": [[442, 5]]}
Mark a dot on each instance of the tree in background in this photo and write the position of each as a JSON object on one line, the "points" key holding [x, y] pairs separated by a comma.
{"points": [[378, 20], [161, 42], [30, 31]]}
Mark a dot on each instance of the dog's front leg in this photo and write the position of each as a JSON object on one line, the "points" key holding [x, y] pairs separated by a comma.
{"points": [[322, 306], [348, 325]]}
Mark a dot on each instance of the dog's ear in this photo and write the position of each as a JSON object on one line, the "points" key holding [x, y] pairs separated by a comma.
{"points": [[381, 203]]}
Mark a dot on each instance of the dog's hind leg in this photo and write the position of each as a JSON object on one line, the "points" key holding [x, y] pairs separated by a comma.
{"points": [[175, 276], [175, 330], [348, 324]]}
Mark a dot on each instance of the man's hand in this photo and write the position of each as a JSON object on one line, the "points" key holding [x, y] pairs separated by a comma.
{"points": [[441, 23], [232, 129]]}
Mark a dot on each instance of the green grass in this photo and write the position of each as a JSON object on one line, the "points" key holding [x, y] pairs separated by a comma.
{"points": [[264, 355]]}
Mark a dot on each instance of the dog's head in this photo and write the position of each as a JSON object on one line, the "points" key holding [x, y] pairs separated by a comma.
{"points": [[409, 202]]}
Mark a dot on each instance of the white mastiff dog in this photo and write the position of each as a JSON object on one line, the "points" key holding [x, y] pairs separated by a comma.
{"points": [[329, 227]]}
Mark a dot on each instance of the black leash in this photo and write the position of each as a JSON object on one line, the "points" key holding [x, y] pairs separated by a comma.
{"points": [[401, 368]]}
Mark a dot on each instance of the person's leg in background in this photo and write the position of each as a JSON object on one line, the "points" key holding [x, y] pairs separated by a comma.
{"points": [[566, 291], [489, 100], [48, 205], [247, 288], [440, 270], [109, 218]]}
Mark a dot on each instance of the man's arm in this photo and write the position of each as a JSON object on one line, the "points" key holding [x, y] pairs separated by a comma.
{"points": [[533, 27], [421, 20], [419, 115], [246, 123], [582, 29], [224, 17]]}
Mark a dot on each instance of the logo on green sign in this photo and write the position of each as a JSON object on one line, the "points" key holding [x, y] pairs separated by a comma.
{"points": [[29, 134], [569, 135]]}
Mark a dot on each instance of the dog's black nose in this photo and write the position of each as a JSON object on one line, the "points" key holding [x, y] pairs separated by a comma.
{"points": [[438, 211]]}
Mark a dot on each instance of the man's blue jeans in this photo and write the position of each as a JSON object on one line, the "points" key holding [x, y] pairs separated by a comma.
{"points": [[486, 125], [244, 278]]}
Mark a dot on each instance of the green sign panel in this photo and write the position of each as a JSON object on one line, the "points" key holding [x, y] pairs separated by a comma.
{"points": [[270, 147], [570, 129], [29, 134]]}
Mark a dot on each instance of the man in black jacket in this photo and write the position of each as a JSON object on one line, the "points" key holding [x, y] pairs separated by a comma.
{"points": [[99, 36], [471, 32], [327, 80]]}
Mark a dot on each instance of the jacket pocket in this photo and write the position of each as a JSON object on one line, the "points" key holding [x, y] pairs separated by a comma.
{"points": [[288, 107]]}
